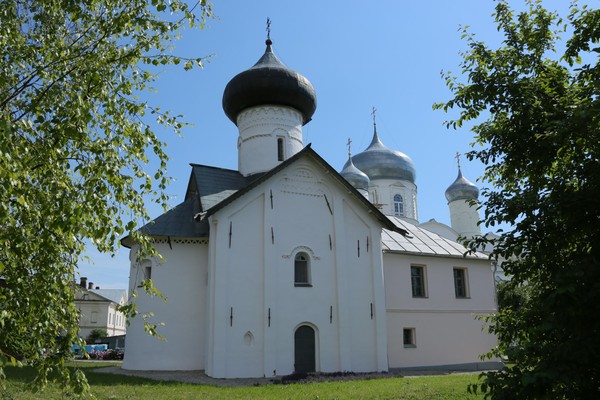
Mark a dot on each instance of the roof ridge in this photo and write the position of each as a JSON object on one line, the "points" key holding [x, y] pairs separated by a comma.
{"points": [[213, 167]]}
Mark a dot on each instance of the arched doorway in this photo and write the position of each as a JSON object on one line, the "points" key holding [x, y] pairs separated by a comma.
{"points": [[304, 349]]}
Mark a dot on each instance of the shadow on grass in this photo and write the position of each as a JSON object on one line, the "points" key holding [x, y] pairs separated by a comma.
{"points": [[26, 375]]}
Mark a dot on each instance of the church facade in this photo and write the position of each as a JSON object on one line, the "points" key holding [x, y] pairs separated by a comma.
{"points": [[287, 265]]}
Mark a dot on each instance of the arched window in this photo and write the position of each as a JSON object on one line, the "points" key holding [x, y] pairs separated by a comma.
{"points": [[398, 205], [301, 270], [280, 149]]}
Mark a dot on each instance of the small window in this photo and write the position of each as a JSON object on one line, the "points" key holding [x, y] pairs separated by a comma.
{"points": [[409, 337], [461, 289], [398, 205], [417, 279], [280, 149], [248, 339], [94, 317], [86, 297], [143, 272], [301, 270]]}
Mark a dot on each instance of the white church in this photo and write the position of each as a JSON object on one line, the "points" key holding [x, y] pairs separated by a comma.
{"points": [[287, 265]]}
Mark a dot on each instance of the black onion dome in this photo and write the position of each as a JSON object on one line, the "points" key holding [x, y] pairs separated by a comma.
{"points": [[461, 189], [269, 81], [380, 162]]}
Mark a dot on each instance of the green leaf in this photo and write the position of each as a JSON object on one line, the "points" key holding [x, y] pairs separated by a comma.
{"points": [[77, 157], [536, 129]]}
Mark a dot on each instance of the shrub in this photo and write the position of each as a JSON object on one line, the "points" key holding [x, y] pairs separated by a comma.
{"points": [[96, 334], [110, 354]]}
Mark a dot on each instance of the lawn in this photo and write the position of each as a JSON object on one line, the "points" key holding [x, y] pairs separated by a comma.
{"points": [[107, 386]]}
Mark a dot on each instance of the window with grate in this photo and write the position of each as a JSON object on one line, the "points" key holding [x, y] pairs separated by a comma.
{"points": [[301, 270], [461, 289], [417, 279]]}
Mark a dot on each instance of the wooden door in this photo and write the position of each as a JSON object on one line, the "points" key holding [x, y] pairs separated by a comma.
{"points": [[304, 349]]}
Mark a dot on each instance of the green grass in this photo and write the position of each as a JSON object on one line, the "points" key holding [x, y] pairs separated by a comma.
{"points": [[108, 386]]}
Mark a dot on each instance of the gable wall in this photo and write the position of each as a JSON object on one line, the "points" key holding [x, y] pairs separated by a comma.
{"points": [[254, 278]]}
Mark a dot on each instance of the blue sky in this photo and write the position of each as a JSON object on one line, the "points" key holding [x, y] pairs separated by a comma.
{"points": [[358, 55]]}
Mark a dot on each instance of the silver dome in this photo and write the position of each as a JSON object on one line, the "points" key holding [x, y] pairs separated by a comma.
{"points": [[379, 162], [355, 176], [461, 189]]}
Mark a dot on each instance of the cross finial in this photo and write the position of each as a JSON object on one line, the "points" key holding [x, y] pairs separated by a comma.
{"points": [[373, 114], [348, 144], [268, 28], [457, 156]]}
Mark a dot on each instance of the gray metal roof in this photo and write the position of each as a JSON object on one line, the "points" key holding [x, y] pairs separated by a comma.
{"points": [[212, 188], [178, 221], [355, 176], [207, 187], [309, 152], [422, 242], [211, 183], [114, 295], [380, 162], [461, 189]]}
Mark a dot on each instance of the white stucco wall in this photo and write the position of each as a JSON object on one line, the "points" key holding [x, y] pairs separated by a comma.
{"points": [[464, 218], [103, 314], [182, 278], [253, 278], [233, 307], [382, 191], [446, 328], [441, 229], [259, 128]]}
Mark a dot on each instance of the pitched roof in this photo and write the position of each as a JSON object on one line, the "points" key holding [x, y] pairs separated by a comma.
{"points": [[209, 183], [177, 222], [423, 242], [114, 295], [212, 188], [207, 187], [309, 152]]}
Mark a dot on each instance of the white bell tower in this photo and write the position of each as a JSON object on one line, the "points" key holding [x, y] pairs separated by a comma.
{"points": [[462, 196], [269, 103]]}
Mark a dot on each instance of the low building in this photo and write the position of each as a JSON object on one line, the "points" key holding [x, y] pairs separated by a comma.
{"points": [[98, 309]]}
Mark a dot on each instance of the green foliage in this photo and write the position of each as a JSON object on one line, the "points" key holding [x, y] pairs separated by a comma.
{"points": [[75, 146], [540, 142], [511, 295], [96, 334]]}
